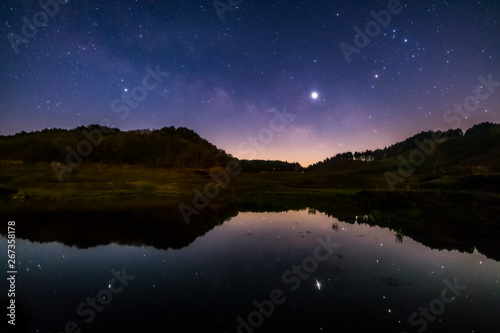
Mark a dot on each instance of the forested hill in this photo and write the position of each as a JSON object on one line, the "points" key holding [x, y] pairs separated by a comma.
{"points": [[413, 142], [183, 148], [167, 147]]}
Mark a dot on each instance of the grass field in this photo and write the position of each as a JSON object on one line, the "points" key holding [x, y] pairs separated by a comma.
{"points": [[102, 182], [96, 181], [99, 181]]}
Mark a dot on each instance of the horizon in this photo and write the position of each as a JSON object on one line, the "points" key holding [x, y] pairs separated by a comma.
{"points": [[239, 158], [229, 74]]}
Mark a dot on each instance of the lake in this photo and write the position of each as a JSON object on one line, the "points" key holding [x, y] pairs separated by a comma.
{"points": [[293, 271]]}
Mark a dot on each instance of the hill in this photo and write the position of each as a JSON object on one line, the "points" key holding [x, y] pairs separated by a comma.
{"points": [[403, 146], [450, 159], [167, 147], [167, 162]]}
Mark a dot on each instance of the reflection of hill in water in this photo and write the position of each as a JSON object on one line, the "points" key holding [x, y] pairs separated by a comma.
{"points": [[440, 221], [160, 227]]}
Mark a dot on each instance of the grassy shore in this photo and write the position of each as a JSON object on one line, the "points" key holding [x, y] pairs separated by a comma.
{"points": [[38, 182], [451, 211]]}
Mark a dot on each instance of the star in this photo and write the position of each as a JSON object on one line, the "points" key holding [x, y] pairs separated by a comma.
{"points": [[218, 83], [318, 284]]}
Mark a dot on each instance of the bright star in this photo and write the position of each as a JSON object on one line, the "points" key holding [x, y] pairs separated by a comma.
{"points": [[125, 89], [314, 95]]}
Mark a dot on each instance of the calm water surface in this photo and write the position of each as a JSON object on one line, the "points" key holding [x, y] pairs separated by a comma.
{"points": [[366, 280]]}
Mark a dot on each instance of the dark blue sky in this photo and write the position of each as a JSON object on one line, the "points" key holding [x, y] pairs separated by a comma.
{"points": [[227, 79]]}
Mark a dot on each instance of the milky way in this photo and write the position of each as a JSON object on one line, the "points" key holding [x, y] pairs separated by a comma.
{"points": [[349, 75]]}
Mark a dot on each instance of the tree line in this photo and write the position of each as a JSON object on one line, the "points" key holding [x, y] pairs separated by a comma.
{"points": [[401, 147], [269, 166], [167, 147], [177, 147]]}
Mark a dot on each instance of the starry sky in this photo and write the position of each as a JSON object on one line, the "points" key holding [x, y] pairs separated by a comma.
{"points": [[227, 71]]}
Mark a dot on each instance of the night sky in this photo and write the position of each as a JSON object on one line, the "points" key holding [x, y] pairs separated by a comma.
{"points": [[230, 73]]}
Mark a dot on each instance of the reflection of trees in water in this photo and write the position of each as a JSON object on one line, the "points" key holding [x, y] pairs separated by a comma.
{"points": [[443, 233], [399, 236], [163, 226]]}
